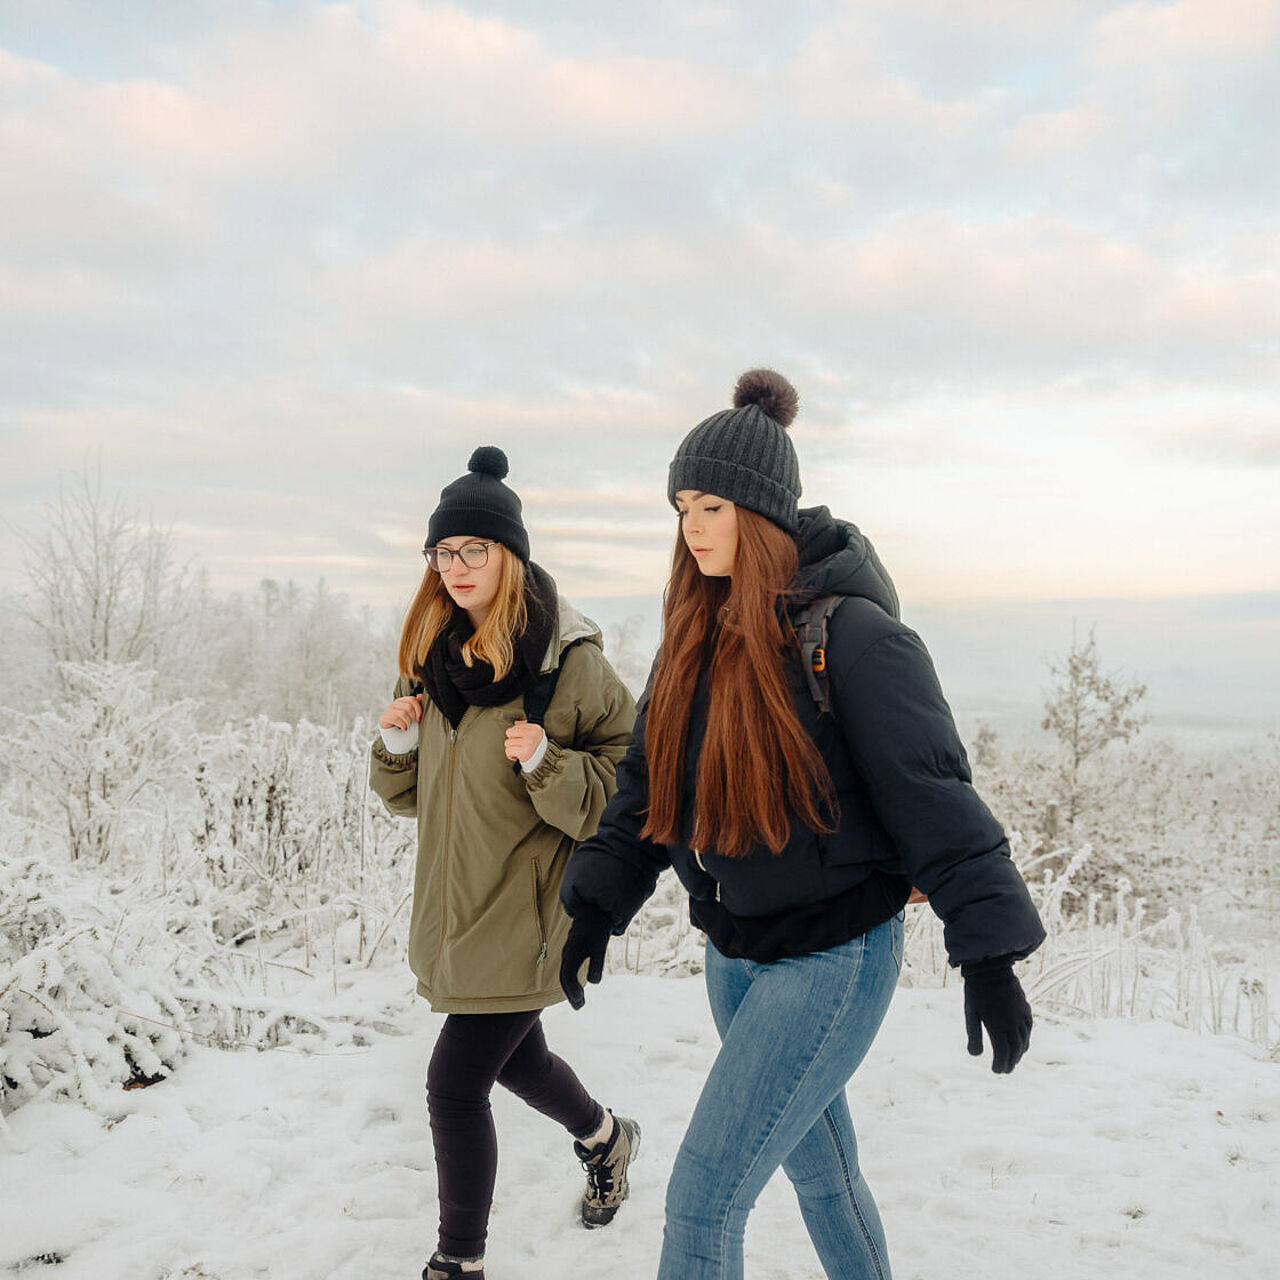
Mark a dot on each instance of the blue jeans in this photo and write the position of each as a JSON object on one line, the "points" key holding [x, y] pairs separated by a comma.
{"points": [[792, 1034]]}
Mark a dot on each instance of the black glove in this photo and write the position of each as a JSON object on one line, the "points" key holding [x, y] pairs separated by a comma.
{"points": [[588, 939], [993, 998]]}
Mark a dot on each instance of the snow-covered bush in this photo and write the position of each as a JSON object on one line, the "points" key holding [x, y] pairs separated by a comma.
{"points": [[74, 1022], [660, 939], [108, 758], [282, 800], [287, 833], [1110, 958], [1186, 826], [104, 979]]}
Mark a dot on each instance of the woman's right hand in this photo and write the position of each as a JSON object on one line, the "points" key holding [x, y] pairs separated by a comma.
{"points": [[401, 713]]}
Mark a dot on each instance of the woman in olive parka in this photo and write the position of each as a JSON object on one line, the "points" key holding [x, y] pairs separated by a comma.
{"points": [[500, 800]]}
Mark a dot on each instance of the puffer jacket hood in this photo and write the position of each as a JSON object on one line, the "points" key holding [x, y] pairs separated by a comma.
{"points": [[837, 560]]}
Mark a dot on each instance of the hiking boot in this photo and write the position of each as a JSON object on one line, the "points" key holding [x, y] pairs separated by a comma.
{"points": [[442, 1268], [606, 1166]]}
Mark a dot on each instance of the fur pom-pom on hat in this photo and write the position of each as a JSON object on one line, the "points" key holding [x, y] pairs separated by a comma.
{"points": [[489, 460], [771, 392], [744, 454]]}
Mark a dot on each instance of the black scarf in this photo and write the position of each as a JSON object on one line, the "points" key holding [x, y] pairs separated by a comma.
{"points": [[453, 686]]}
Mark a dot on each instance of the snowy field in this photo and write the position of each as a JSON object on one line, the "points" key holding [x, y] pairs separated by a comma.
{"points": [[1118, 1149]]}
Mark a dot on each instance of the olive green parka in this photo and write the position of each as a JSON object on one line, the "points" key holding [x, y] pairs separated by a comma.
{"points": [[487, 925]]}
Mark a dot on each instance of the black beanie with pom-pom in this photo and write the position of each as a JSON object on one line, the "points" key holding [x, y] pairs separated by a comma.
{"points": [[480, 505], [744, 454]]}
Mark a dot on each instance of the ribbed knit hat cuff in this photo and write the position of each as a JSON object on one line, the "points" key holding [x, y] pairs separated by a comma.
{"points": [[741, 485], [473, 520]]}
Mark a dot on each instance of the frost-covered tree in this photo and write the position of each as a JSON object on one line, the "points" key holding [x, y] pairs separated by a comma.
{"points": [[986, 746], [291, 654], [24, 681], [104, 585], [1086, 710], [625, 649]]}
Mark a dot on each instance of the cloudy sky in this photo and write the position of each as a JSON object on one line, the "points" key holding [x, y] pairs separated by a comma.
{"points": [[280, 266]]}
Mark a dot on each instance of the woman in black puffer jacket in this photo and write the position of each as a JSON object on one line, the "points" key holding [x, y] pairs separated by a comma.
{"points": [[798, 833]]}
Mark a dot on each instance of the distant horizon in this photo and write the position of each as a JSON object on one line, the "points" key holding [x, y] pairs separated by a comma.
{"points": [[991, 656], [1208, 659]]}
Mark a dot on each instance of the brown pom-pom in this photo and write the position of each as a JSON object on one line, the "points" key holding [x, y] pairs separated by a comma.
{"points": [[771, 392]]}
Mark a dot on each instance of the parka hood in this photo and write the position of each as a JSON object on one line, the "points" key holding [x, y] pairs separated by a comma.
{"points": [[571, 626], [837, 559]]}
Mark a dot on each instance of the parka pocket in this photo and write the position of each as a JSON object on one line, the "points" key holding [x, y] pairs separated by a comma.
{"points": [[537, 911]]}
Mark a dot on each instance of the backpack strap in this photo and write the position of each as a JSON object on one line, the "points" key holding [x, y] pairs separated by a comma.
{"points": [[811, 632], [538, 696]]}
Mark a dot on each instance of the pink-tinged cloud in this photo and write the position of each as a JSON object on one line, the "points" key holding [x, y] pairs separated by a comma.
{"points": [[1048, 135], [313, 95], [838, 79], [1148, 33]]}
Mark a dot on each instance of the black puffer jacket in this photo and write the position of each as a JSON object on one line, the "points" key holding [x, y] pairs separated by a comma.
{"points": [[907, 806]]}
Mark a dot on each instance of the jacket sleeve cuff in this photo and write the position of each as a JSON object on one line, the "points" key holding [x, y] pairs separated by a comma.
{"points": [[547, 767], [996, 964], [393, 759]]}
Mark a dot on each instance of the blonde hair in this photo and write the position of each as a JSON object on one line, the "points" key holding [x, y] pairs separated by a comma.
{"points": [[432, 609]]}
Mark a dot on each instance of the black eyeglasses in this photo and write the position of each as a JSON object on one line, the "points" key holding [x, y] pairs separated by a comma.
{"points": [[475, 555]]}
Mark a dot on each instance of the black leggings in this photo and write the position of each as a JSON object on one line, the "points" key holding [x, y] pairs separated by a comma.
{"points": [[474, 1050]]}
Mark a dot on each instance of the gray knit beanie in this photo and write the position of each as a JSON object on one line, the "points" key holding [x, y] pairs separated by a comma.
{"points": [[479, 504], [744, 454]]}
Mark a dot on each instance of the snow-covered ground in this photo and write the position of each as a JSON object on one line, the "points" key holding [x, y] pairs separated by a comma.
{"points": [[1134, 1151]]}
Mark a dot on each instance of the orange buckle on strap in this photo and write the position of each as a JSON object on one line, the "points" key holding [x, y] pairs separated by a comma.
{"points": [[819, 660]]}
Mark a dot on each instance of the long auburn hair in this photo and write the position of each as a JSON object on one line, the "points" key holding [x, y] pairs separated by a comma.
{"points": [[758, 766], [432, 609]]}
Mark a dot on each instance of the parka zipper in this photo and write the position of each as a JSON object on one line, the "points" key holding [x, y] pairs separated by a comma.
{"points": [[444, 844]]}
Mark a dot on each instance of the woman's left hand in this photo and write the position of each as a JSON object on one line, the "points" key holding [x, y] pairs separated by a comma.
{"points": [[994, 1000], [523, 739]]}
